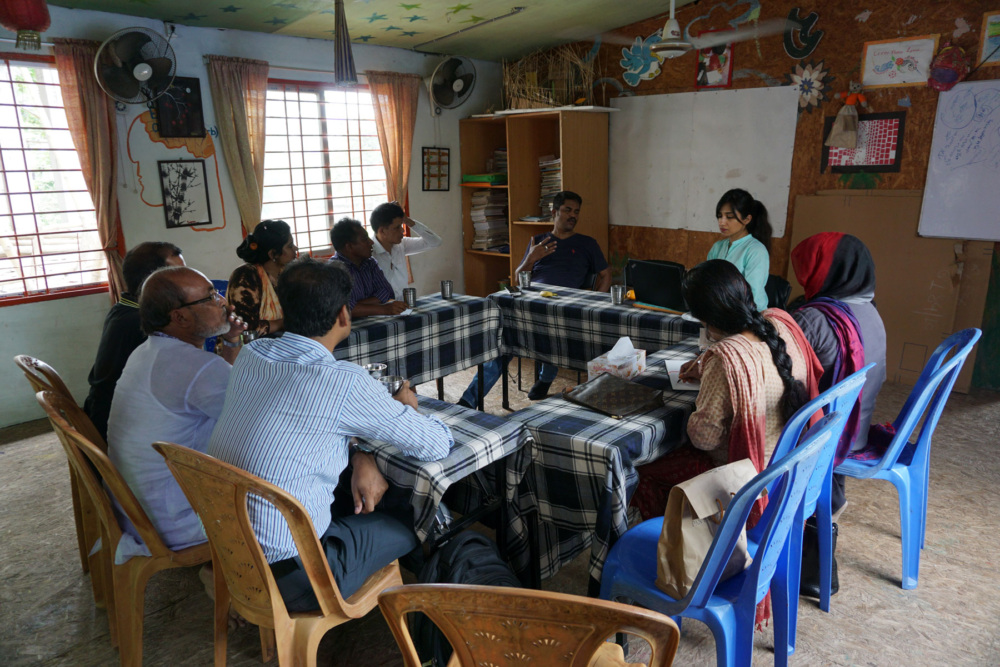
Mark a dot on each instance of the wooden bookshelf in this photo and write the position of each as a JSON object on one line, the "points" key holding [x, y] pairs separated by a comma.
{"points": [[579, 138]]}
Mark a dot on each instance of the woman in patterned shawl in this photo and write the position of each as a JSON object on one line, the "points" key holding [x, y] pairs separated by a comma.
{"points": [[251, 287]]}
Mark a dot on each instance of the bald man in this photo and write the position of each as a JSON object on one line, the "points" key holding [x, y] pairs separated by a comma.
{"points": [[170, 389]]}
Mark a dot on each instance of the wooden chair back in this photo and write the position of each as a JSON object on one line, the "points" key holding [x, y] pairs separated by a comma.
{"points": [[219, 492], [43, 377], [93, 467], [496, 625]]}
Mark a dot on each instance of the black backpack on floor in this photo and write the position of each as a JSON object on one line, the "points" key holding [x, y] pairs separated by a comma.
{"points": [[469, 558]]}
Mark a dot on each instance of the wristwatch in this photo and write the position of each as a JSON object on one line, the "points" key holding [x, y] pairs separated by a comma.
{"points": [[359, 446]]}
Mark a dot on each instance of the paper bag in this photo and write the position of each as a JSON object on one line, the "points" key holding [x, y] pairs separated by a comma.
{"points": [[844, 132], [692, 516]]}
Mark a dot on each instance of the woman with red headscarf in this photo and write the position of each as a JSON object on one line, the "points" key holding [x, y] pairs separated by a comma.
{"points": [[846, 332]]}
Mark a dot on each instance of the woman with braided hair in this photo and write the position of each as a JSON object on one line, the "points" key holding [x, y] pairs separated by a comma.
{"points": [[758, 371]]}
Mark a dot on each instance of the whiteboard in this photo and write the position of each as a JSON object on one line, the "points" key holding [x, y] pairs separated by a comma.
{"points": [[673, 156], [962, 194]]}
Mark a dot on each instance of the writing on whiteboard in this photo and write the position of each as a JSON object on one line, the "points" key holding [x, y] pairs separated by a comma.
{"points": [[972, 119]]}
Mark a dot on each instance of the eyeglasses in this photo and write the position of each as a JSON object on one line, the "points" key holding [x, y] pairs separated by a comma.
{"points": [[214, 296]]}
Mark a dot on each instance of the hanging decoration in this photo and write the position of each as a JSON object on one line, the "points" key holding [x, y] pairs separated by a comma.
{"points": [[28, 18], [813, 83], [343, 59], [802, 41]]}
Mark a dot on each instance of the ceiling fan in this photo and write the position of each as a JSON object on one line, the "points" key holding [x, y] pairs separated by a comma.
{"points": [[673, 44]]}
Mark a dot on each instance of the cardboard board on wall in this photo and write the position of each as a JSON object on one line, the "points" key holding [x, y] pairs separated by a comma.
{"points": [[926, 289]]}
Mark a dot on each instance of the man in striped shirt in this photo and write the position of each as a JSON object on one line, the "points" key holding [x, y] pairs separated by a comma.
{"points": [[372, 294], [291, 411]]}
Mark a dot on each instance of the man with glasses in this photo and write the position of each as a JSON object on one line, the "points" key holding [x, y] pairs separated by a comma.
{"points": [[171, 389]]}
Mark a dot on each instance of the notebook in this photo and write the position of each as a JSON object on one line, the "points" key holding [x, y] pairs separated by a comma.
{"points": [[656, 282]]}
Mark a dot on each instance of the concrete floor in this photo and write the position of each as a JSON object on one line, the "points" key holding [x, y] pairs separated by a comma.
{"points": [[47, 614]]}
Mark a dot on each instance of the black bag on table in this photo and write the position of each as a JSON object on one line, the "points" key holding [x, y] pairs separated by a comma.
{"points": [[469, 558]]}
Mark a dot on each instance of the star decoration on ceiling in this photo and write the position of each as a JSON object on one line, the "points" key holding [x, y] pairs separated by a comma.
{"points": [[392, 27], [409, 8], [286, 5], [361, 38], [328, 11], [415, 18], [409, 33], [474, 19], [231, 9], [458, 8], [193, 17], [376, 17], [276, 21]]}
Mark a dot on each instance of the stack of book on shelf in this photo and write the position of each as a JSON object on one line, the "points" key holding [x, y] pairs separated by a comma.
{"points": [[489, 220], [500, 160], [551, 169]]}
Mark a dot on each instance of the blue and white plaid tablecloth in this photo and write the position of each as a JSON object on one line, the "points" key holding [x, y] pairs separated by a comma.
{"points": [[575, 326], [440, 337], [584, 473], [480, 440]]}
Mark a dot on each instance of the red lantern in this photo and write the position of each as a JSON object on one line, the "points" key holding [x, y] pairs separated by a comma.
{"points": [[28, 18]]}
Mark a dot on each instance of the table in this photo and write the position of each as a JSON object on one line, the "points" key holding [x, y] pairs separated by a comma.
{"points": [[576, 326], [584, 473], [481, 439], [440, 337]]}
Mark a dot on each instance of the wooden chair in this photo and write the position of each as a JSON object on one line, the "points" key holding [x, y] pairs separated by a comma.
{"points": [[218, 493], [92, 466], [493, 625], [43, 377]]}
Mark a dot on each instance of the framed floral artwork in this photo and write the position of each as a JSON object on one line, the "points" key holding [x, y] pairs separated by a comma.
{"points": [[715, 66], [898, 62], [185, 197], [178, 109], [989, 46]]}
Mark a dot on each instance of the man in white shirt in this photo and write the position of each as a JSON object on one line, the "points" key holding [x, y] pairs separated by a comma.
{"points": [[391, 247], [172, 390]]}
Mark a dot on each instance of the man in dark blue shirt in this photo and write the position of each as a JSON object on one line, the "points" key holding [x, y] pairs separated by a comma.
{"points": [[372, 294], [562, 258]]}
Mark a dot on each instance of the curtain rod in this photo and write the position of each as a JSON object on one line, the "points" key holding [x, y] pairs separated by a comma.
{"points": [[11, 40], [292, 69]]}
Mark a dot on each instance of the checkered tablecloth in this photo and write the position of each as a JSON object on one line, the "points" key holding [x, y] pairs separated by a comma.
{"points": [[584, 473], [440, 337], [480, 440], [575, 326]]}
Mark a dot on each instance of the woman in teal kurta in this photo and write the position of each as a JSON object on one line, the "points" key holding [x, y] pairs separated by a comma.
{"points": [[746, 240]]}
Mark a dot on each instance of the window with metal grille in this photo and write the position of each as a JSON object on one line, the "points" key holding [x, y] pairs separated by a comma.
{"points": [[49, 245], [322, 160]]}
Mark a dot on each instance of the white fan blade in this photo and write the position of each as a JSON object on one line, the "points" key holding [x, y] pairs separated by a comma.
{"points": [[761, 29]]}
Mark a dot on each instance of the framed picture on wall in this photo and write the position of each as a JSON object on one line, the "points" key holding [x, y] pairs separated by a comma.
{"points": [[989, 47], [185, 197], [435, 168], [898, 62], [178, 109], [715, 66], [880, 145]]}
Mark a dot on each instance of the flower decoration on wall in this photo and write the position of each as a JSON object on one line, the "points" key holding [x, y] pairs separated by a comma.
{"points": [[813, 83]]}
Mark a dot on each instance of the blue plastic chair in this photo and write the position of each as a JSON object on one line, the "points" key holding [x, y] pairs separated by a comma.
{"points": [[907, 464], [728, 608], [840, 398], [221, 286]]}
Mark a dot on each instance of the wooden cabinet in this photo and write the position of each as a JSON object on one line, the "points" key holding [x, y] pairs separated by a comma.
{"points": [[580, 138]]}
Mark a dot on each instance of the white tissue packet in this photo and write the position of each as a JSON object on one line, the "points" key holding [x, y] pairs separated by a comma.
{"points": [[623, 361]]}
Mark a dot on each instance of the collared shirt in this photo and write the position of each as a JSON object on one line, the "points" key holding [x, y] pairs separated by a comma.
{"points": [[574, 259], [749, 256], [173, 391], [368, 279], [291, 409], [393, 261]]}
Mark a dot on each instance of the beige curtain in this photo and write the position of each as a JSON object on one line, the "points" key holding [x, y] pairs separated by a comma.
{"points": [[90, 115], [239, 95], [395, 97]]}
